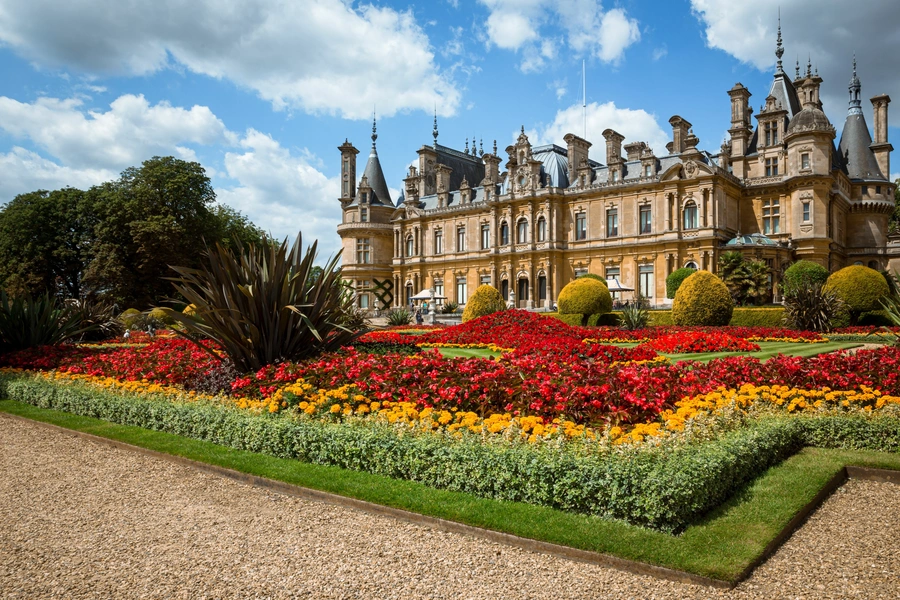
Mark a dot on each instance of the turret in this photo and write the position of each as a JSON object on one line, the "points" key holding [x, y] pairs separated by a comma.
{"points": [[348, 171]]}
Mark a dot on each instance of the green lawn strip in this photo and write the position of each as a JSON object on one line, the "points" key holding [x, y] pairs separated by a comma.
{"points": [[769, 350], [466, 352], [719, 546]]}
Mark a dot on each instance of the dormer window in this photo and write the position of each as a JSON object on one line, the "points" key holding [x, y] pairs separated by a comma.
{"points": [[615, 176], [647, 171]]}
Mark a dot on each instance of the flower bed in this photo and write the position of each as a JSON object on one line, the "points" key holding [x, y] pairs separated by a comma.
{"points": [[697, 341]]}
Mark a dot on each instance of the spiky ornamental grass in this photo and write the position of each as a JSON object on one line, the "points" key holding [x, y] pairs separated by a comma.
{"points": [[42, 321], [811, 307], [262, 307]]}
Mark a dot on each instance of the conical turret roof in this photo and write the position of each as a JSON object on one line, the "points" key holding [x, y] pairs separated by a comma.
{"points": [[375, 176], [855, 138]]}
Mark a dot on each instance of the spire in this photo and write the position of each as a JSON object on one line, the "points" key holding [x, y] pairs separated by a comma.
{"points": [[495, 147], [373, 174], [855, 89], [434, 132], [797, 70], [779, 51], [374, 131], [481, 147], [467, 146], [809, 66]]}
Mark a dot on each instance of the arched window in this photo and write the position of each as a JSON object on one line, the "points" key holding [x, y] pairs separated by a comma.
{"points": [[691, 265], [521, 231], [504, 233], [691, 220], [542, 229], [410, 248]]}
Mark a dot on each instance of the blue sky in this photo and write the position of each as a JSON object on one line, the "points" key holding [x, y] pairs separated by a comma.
{"points": [[261, 92]]}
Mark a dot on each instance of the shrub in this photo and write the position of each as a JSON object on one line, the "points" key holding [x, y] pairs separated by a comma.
{"points": [[758, 317], [264, 304], [399, 316], [585, 296], [449, 307], [484, 301], [609, 319], [131, 318], [42, 321], [811, 307], [802, 272], [702, 299], [574, 320], [660, 317], [97, 320], [861, 289], [592, 276], [635, 315], [159, 317], [677, 277]]}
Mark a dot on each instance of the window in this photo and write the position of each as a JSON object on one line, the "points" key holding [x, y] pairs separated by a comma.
{"points": [[363, 215], [410, 247], [346, 165], [485, 236], [691, 219], [364, 301], [439, 291], [771, 134], [485, 280], [865, 190], [363, 251], [461, 239], [614, 175], [461, 293], [504, 233], [878, 190], [438, 241], [771, 217], [771, 167], [580, 226], [612, 222], [647, 171], [346, 189], [804, 161], [579, 271], [542, 287], [542, 229], [646, 218], [504, 289], [646, 281], [806, 211], [522, 231]]}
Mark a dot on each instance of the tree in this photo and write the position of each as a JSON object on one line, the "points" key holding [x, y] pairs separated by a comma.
{"points": [[747, 280], [757, 286], [894, 225]]}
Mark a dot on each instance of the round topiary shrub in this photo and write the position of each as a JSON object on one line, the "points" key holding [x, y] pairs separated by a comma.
{"points": [[592, 276], [803, 272], [674, 281], [702, 299], [861, 289], [484, 301], [584, 296], [160, 316], [130, 317]]}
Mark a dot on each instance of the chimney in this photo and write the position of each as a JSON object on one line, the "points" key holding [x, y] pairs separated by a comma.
{"points": [[614, 141], [576, 153], [634, 150], [680, 129]]}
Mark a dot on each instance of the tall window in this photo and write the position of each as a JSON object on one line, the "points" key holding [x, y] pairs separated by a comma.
{"points": [[806, 211], [542, 229], [771, 217], [504, 289], [485, 236], [615, 176], [646, 218], [542, 287], [439, 291], [771, 134], [691, 220], [612, 222], [504, 233], [460, 239], [771, 167], [410, 247], [580, 226], [438, 241], [646, 281], [521, 231], [461, 292], [363, 215], [363, 251], [804, 161], [647, 170], [363, 300]]}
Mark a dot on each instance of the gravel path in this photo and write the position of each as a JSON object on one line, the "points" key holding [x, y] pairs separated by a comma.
{"points": [[80, 519]]}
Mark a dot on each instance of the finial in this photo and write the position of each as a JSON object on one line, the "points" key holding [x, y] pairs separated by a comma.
{"points": [[523, 130], [374, 131], [797, 72], [434, 132], [855, 88], [481, 146], [809, 65], [495, 147], [779, 51], [467, 146]]}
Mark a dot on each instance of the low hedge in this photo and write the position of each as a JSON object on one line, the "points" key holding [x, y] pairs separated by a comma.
{"points": [[663, 488], [758, 317], [610, 319]]}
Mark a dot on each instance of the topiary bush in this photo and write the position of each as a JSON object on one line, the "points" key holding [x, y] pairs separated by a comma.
{"points": [[674, 281], [131, 318], [702, 299], [592, 276], [585, 296], [802, 272], [484, 301], [861, 289]]}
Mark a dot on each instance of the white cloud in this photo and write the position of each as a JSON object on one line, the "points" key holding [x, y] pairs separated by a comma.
{"points": [[25, 171], [559, 88], [522, 25], [636, 125], [282, 193], [660, 52], [130, 132], [322, 56], [827, 31]]}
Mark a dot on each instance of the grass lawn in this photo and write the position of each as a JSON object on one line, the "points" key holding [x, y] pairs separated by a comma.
{"points": [[720, 546], [468, 353], [766, 351]]}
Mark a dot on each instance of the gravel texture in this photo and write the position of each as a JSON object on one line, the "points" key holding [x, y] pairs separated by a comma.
{"points": [[79, 519]]}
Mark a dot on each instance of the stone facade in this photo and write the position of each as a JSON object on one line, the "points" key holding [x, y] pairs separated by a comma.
{"points": [[780, 190]]}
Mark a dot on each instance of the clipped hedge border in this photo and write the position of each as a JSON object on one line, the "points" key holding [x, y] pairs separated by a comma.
{"points": [[660, 490]]}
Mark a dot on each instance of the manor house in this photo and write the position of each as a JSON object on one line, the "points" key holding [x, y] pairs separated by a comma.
{"points": [[778, 190]]}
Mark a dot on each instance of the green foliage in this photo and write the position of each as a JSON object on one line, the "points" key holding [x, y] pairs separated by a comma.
{"points": [[98, 320], [585, 296], [803, 272], [747, 280], [610, 319], [486, 300], [757, 317], [674, 280], [29, 322], [592, 276], [449, 307], [702, 299], [131, 319], [894, 223], [399, 316], [811, 307], [661, 317], [256, 304], [636, 315], [575, 320], [861, 289]]}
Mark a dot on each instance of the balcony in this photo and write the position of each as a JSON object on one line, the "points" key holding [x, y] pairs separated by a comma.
{"points": [[373, 227]]}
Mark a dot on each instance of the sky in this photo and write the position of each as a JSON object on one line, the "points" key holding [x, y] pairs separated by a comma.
{"points": [[261, 92]]}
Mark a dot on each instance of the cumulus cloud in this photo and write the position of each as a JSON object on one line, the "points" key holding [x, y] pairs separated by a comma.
{"points": [[523, 26], [128, 133], [825, 31], [321, 56], [636, 125], [26, 171]]}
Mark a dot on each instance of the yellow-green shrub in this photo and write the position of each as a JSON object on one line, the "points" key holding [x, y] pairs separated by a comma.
{"points": [[584, 296], [702, 299], [861, 289], [160, 316], [130, 317], [484, 301], [758, 317]]}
